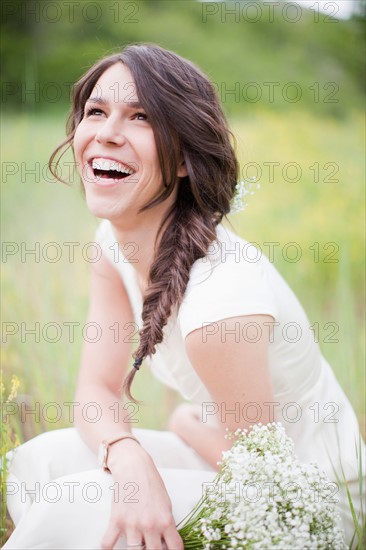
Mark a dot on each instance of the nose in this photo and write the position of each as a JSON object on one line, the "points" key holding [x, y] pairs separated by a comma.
{"points": [[111, 132]]}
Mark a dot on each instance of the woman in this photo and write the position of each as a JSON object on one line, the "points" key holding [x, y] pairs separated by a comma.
{"points": [[153, 151]]}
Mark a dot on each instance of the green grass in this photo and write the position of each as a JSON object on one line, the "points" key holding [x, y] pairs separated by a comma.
{"points": [[281, 211], [304, 212]]}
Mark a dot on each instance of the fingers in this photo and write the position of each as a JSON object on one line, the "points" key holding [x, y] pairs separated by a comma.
{"points": [[111, 536], [134, 540], [150, 539], [153, 541], [172, 539]]}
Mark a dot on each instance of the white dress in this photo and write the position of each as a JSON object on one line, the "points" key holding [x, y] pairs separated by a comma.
{"points": [[234, 279]]}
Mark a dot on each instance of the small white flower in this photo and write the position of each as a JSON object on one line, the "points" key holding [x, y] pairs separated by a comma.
{"points": [[276, 507], [242, 189]]}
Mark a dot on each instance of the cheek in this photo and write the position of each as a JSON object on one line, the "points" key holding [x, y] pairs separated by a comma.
{"points": [[79, 148], [77, 144], [81, 140], [144, 145], [152, 156]]}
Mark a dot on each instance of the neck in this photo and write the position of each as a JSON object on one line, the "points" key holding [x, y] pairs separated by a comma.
{"points": [[138, 240]]}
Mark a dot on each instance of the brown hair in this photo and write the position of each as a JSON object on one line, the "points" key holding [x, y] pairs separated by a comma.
{"points": [[187, 120]]}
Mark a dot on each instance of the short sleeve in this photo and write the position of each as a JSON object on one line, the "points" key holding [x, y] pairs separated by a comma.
{"points": [[225, 288]]}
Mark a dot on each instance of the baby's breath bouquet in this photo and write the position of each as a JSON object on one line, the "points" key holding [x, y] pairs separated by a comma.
{"points": [[264, 498]]}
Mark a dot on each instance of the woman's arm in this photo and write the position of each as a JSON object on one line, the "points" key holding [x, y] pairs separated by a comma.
{"points": [[104, 363], [235, 372], [207, 440], [103, 369]]}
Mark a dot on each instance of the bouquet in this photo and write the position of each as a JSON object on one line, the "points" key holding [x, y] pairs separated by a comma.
{"points": [[264, 498]]}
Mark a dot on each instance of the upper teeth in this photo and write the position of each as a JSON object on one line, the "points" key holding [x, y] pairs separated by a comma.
{"points": [[107, 164]]}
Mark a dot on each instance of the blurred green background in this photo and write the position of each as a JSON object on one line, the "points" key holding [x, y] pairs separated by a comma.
{"points": [[292, 84]]}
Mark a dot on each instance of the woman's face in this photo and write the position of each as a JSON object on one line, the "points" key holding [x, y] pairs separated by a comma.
{"points": [[115, 149]]}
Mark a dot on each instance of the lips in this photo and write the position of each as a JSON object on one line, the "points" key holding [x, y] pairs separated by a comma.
{"points": [[108, 171]]}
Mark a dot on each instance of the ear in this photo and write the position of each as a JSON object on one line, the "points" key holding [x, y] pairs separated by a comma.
{"points": [[182, 170]]}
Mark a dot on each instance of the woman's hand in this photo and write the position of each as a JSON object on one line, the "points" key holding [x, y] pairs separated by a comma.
{"points": [[185, 417], [143, 511], [206, 439]]}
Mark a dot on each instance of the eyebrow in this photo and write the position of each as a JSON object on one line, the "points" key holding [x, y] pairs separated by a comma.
{"points": [[102, 101]]}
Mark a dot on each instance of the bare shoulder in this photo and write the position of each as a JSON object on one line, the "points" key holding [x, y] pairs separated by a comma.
{"points": [[234, 370]]}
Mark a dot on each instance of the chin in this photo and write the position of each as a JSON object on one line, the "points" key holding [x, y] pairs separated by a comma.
{"points": [[101, 209], [98, 208]]}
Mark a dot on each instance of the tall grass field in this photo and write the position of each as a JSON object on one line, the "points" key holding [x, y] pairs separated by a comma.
{"points": [[307, 216]]}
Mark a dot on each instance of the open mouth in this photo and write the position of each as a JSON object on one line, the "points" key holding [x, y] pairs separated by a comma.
{"points": [[110, 169]]}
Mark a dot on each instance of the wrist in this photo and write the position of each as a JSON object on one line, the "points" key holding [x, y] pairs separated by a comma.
{"points": [[123, 450], [107, 445]]}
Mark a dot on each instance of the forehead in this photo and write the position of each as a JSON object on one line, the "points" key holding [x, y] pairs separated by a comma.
{"points": [[115, 85]]}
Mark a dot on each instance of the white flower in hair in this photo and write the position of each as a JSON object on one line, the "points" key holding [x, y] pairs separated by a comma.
{"points": [[242, 189]]}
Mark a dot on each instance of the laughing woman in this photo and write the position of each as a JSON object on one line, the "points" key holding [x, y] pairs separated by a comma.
{"points": [[155, 158]]}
